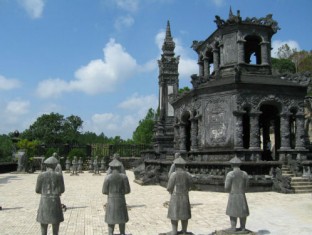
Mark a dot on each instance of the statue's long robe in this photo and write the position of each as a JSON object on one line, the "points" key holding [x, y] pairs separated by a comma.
{"points": [[178, 186], [236, 182], [115, 186], [50, 185]]}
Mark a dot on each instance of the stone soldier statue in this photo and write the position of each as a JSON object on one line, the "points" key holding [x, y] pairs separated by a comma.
{"points": [[178, 186], [75, 166], [67, 165], [80, 162], [115, 186], [236, 183], [122, 168], [90, 165], [102, 168], [96, 166], [50, 185]]}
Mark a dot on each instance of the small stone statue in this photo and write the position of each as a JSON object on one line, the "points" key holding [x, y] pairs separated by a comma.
{"points": [[75, 166], [115, 186], [80, 162], [67, 166], [102, 169], [90, 165], [50, 185], [236, 183], [179, 184], [96, 166]]}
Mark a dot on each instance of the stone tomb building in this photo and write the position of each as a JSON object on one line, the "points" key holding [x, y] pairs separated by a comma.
{"points": [[236, 107]]}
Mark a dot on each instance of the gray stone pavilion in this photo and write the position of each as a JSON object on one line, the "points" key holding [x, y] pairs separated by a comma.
{"points": [[236, 107]]}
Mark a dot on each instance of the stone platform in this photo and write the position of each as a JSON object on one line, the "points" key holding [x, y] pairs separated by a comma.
{"points": [[270, 213]]}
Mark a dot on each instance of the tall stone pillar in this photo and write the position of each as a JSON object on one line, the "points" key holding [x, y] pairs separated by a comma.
{"points": [[300, 145], [264, 53], [238, 136], [215, 59], [285, 131], [241, 51], [182, 137], [206, 67], [194, 132], [254, 131], [201, 67]]}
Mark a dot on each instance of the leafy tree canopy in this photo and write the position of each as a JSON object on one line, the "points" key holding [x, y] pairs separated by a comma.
{"points": [[144, 132]]}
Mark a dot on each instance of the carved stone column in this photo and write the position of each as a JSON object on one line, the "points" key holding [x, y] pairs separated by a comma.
{"points": [[238, 137], [201, 67], [206, 67], [176, 136], [194, 132], [254, 131], [182, 137], [241, 51], [215, 59], [264, 53], [300, 145], [285, 131]]}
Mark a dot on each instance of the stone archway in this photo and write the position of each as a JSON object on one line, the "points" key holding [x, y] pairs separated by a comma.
{"points": [[269, 123]]}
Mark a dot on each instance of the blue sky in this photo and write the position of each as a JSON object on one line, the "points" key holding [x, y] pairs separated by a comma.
{"points": [[98, 58]]}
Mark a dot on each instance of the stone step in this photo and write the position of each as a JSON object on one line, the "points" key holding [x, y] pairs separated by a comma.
{"points": [[300, 183], [300, 179], [303, 191], [302, 186]]}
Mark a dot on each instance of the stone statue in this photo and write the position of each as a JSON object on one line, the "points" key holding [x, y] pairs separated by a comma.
{"points": [[22, 161], [96, 166], [75, 166], [122, 168], [90, 165], [115, 186], [236, 183], [67, 165], [50, 185], [178, 186], [102, 168], [80, 162]]}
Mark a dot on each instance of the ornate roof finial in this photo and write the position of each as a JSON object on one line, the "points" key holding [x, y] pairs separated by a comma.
{"points": [[169, 45], [168, 31], [231, 13]]}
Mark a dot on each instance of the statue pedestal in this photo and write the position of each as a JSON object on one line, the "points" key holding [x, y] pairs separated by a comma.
{"points": [[231, 232]]}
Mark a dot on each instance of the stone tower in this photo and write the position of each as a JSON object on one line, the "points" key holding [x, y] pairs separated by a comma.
{"points": [[168, 82]]}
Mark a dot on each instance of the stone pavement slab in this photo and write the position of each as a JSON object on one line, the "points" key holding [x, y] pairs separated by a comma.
{"points": [[270, 213]]}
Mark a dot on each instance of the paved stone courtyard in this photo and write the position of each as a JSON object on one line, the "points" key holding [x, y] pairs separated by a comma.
{"points": [[271, 213]]}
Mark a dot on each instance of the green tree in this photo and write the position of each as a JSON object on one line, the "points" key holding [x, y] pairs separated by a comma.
{"points": [[48, 128], [144, 132], [72, 125], [31, 147], [6, 148], [184, 89], [283, 66]]}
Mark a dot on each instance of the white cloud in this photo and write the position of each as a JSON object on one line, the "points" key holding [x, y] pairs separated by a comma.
{"points": [[34, 8], [122, 125], [124, 22], [218, 3], [128, 5], [277, 44], [8, 84], [98, 76], [139, 104], [17, 108]]}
